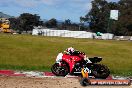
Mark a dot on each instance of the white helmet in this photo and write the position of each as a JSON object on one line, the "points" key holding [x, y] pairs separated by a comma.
{"points": [[70, 50]]}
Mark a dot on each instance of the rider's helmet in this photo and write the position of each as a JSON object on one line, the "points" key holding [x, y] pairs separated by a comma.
{"points": [[70, 50]]}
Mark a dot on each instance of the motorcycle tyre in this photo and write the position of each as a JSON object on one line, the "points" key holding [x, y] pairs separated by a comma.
{"points": [[99, 75], [53, 71]]}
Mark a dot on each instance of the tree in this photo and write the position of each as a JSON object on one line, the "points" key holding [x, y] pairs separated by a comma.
{"points": [[98, 16], [124, 25], [67, 22], [27, 21], [14, 23], [52, 23]]}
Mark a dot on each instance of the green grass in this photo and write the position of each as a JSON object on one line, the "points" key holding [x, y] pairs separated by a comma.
{"points": [[26, 52]]}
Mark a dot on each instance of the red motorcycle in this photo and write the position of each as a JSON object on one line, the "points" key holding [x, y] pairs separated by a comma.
{"points": [[73, 64]]}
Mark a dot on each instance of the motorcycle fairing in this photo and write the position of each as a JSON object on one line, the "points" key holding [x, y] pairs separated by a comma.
{"points": [[59, 58], [71, 61]]}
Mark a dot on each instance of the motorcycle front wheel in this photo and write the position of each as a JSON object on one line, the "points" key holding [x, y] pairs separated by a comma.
{"points": [[59, 70], [100, 71]]}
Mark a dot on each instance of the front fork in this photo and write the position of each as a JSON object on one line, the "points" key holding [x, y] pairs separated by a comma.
{"points": [[59, 62]]}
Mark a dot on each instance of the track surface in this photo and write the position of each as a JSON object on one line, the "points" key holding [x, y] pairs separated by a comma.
{"points": [[13, 79], [28, 82]]}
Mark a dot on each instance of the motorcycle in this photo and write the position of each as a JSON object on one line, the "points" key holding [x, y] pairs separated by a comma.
{"points": [[73, 64]]}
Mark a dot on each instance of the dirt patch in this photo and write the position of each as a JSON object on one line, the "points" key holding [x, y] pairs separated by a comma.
{"points": [[27, 82]]}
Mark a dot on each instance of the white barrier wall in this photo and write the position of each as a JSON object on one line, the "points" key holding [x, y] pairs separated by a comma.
{"points": [[85, 35], [107, 36], [67, 33], [131, 38], [73, 33], [35, 32], [62, 33]]}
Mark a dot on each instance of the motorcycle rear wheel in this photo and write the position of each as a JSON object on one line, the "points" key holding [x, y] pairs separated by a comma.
{"points": [[100, 71], [59, 70]]}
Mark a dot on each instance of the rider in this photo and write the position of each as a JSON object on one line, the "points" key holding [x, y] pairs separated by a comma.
{"points": [[72, 51], [82, 55]]}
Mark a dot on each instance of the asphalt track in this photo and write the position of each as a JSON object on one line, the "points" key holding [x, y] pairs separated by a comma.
{"points": [[17, 79]]}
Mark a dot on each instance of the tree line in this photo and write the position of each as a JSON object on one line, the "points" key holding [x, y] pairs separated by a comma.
{"points": [[98, 19], [26, 22]]}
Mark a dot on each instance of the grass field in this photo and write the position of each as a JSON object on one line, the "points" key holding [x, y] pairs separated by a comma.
{"points": [[27, 52]]}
